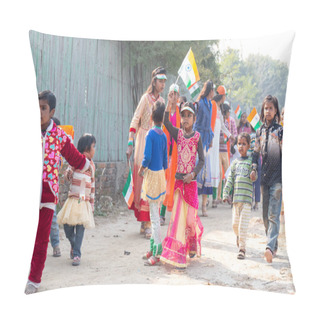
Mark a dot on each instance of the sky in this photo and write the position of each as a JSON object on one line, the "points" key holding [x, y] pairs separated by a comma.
{"points": [[274, 45]]}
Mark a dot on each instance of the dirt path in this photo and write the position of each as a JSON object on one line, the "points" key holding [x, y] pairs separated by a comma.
{"points": [[111, 254]]}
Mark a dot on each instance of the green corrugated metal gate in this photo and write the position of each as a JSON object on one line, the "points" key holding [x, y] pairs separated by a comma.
{"points": [[93, 85]]}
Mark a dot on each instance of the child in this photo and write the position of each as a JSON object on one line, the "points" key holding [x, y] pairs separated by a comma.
{"points": [[239, 180], [185, 228], [54, 142], [77, 212], [154, 182], [269, 145]]}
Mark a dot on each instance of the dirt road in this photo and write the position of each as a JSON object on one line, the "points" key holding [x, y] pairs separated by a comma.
{"points": [[111, 254]]}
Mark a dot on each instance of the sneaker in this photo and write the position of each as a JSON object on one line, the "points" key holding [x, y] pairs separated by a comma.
{"points": [[30, 289], [76, 261]]}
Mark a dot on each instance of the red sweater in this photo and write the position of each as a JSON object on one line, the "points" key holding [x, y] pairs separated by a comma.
{"points": [[55, 142]]}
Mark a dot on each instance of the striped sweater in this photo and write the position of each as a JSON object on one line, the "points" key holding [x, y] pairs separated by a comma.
{"points": [[82, 184], [239, 180]]}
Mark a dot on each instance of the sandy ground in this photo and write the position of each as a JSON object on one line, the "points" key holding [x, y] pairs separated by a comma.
{"points": [[112, 254]]}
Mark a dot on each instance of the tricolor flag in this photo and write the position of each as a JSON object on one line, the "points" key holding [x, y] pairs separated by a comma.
{"points": [[238, 112], [254, 119], [127, 191], [189, 74]]}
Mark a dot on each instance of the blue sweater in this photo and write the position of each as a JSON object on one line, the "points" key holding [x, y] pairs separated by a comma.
{"points": [[203, 122], [155, 152]]}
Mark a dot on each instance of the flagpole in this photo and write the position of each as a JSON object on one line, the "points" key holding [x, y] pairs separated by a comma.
{"points": [[177, 79]]}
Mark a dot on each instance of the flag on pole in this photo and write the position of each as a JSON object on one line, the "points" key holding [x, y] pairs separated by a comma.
{"points": [[254, 119], [127, 191], [189, 74], [238, 112]]}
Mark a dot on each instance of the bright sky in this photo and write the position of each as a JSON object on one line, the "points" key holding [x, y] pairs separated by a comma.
{"points": [[277, 46]]}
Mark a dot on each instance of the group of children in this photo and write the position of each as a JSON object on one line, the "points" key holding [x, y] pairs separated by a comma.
{"points": [[183, 238], [185, 228]]}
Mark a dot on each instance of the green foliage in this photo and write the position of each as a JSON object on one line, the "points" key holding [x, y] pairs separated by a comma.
{"points": [[249, 81]]}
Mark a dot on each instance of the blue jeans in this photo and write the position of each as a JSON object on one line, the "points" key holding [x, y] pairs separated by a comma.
{"points": [[75, 236], [271, 208], [54, 233]]}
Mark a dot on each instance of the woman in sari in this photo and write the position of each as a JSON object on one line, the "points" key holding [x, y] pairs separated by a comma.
{"points": [[141, 123]]}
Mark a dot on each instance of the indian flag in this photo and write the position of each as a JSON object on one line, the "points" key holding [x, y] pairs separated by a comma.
{"points": [[238, 112], [127, 191], [254, 119], [189, 74]]}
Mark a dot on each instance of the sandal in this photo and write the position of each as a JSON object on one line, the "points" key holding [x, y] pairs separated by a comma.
{"points": [[147, 255], [191, 255], [56, 251], [162, 221], [241, 255], [214, 204], [148, 233], [152, 261]]}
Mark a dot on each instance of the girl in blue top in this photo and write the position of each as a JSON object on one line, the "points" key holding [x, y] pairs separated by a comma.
{"points": [[203, 126], [154, 183]]}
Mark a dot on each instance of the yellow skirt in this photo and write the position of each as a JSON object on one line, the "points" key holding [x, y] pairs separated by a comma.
{"points": [[153, 186], [74, 212]]}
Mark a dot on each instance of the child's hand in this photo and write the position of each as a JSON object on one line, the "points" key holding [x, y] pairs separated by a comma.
{"points": [[253, 175], [188, 178], [141, 171]]}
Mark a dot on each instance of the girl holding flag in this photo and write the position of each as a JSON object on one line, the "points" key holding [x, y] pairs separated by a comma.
{"points": [[269, 145], [141, 123]]}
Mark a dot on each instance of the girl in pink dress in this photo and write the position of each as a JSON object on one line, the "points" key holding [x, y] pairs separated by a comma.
{"points": [[185, 228]]}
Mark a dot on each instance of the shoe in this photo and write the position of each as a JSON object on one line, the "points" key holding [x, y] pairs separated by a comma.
{"points": [[241, 255], [71, 254], [56, 251], [162, 221], [147, 255], [152, 261], [268, 255], [214, 204], [76, 261], [30, 289], [191, 255]]}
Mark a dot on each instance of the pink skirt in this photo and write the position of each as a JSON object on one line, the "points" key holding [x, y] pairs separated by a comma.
{"points": [[185, 228]]}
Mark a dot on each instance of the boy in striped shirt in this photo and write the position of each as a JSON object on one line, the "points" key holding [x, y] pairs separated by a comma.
{"points": [[240, 182]]}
